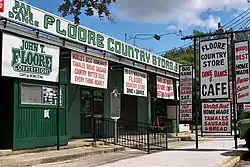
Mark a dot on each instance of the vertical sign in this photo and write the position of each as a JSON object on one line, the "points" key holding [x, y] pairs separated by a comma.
{"points": [[242, 72], [135, 82], [186, 93], [216, 117], [165, 88], [214, 76], [89, 71], [115, 104]]}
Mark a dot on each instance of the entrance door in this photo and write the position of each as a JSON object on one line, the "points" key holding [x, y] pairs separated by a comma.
{"points": [[86, 112], [92, 105], [129, 112]]}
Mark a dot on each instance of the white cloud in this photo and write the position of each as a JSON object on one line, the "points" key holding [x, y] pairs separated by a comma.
{"points": [[180, 13]]}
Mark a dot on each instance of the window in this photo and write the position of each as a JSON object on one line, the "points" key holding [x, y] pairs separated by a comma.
{"points": [[39, 94], [31, 94]]}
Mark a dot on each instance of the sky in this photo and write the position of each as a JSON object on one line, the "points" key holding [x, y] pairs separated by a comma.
{"points": [[157, 17]]}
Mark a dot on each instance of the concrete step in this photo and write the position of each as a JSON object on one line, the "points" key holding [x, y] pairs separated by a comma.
{"points": [[71, 144], [30, 159]]}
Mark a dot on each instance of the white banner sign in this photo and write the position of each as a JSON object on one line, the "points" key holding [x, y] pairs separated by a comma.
{"points": [[186, 93], [214, 74], [165, 88], [135, 82], [88, 71], [242, 72], [29, 59], [28, 15], [216, 117]]}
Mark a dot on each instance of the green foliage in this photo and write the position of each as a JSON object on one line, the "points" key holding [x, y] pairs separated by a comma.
{"points": [[75, 7]]}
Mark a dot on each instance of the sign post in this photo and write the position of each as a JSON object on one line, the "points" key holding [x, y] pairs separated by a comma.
{"points": [[115, 109]]}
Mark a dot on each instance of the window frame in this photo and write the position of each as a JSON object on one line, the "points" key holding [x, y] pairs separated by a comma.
{"points": [[40, 105]]}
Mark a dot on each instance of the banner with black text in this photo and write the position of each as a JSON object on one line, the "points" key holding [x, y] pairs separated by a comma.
{"points": [[135, 82], [214, 76]]}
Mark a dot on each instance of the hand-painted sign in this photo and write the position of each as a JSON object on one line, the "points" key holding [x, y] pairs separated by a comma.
{"points": [[135, 82], [216, 117], [25, 58], [186, 93], [26, 14], [214, 76], [242, 72], [165, 88], [88, 71]]}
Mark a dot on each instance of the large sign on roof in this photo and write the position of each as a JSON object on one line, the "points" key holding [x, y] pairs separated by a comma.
{"points": [[31, 16]]}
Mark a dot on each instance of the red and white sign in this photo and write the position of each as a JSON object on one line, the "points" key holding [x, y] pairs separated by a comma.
{"points": [[135, 82], [1, 6], [242, 72], [216, 117], [88, 71], [165, 88], [186, 93], [247, 107]]}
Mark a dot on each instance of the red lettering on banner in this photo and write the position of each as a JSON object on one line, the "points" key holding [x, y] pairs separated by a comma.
{"points": [[220, 73], [207, 74], [242, 48], [216, 117], [89, 71], [1, 6], [241, 57]]}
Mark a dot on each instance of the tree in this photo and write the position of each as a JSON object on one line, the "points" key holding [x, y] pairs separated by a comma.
{"points": [[75, 7]]}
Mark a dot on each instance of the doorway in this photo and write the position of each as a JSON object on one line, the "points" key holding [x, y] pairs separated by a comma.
{"points": [[92, 105], [129, 112]]}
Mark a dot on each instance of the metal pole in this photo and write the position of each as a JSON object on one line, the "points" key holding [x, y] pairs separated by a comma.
{"points": [[58, 113], [234, 92], [125, 37], [195, 97], [115, 131], [134, 40], [177, 119]]}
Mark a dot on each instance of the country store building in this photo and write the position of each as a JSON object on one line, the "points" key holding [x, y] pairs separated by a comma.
{"points": [[40, 51]]}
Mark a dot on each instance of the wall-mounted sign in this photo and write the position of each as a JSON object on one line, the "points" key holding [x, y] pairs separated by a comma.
{"points": [[29, 59], [44, 21], [135, 82], [165, 88], [216, 117], [186, 93], [214, 76], [88, 71], [242, 72]]}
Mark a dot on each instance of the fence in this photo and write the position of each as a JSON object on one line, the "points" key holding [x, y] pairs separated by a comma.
{"points": [[140, 136]]}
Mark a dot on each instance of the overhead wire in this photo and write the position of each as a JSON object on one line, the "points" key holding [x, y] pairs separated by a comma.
{"points": [[234, 20]]}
